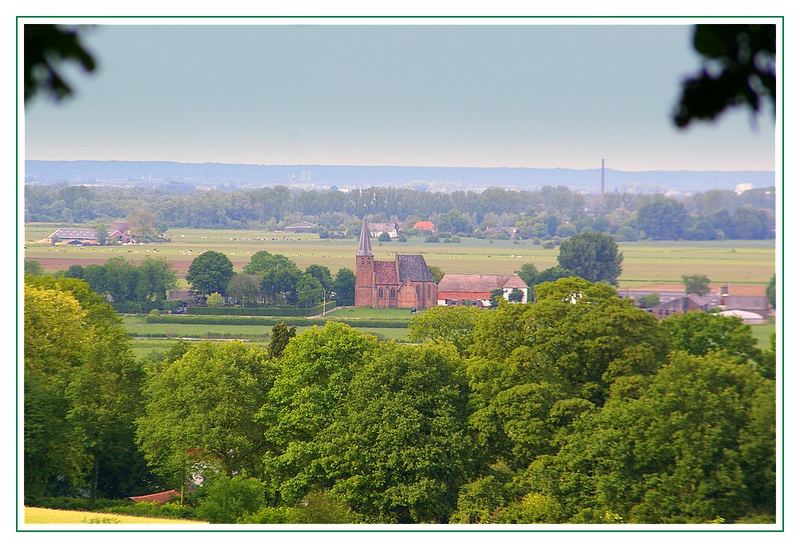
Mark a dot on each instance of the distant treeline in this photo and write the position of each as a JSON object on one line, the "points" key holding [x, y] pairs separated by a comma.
{"points": [[548, 213]]}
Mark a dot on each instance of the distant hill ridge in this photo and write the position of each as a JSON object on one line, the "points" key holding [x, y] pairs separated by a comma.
{"points": [[351, 176]]}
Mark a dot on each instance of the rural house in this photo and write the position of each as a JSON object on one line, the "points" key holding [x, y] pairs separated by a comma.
{"points": [[476, 289]]}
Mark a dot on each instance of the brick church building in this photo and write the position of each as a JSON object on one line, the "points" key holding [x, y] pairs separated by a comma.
{"points": [[405, 282]]}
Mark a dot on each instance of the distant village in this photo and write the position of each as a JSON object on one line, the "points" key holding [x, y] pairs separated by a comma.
{"points": [[407, 281]]}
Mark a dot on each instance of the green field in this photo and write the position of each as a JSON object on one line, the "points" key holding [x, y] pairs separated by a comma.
{"points": [[763, 334], [159, 337], [739, 261], [48, 515]]}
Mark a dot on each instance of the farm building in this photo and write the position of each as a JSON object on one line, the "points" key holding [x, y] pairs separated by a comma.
{"points": [[300, 227], [687, 303], [405, 282], [749, 318], [157, 498], [87, 236], [376, 229], [477, 289]]}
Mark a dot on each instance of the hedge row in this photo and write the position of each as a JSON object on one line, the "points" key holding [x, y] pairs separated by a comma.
{"points": [[135, 307], [258, 311], [207, 335], [233, 320]]}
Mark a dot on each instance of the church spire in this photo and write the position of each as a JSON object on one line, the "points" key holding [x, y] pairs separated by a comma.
{"points": [[364, 247]]}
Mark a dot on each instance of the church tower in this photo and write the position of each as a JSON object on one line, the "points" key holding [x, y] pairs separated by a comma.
{"points": [[365, 268]]}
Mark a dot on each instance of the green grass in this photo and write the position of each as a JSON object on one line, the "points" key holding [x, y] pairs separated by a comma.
{"points": [[136, 325], [371, 314], [763, 334], [735, 261]]}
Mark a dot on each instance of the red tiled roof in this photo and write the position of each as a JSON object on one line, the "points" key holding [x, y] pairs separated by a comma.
{"points": [[385, 273], [424, 225], [479, 283], [158, 498]]}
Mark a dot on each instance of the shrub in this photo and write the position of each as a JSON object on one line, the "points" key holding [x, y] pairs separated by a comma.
{"points": [[432, 240], [227, 500], [268, 514], [154, 312], [215, 299]]}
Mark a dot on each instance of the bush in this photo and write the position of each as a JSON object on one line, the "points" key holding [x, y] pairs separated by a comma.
{"points": [[76, 503], [549, 244], [227, 500], [215, 299], [432, 240], [402, 238], [171, 510], [267, 514], [154, 312]]}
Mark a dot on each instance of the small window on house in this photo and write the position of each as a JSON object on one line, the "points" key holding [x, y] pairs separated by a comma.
{"points": [[392, 294], [380, 292], [417, 288], [428, 291]]}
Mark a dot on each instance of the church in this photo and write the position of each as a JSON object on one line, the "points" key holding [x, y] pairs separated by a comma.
{"points": [[405, 282]]}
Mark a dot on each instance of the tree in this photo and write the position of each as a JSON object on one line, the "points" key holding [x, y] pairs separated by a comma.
{"points": [[308, 290], [155, 277], [215, 300], [738, 69], [697, 445], [662, 218], [210, 272], [696, 283], [528, 273], [436, 272], [244, 288], [399, 451], [102, 233], [516, 295], [699, 333], [46, 48], [82, 387], [322, 274], [552, 274], [345, 287], [384, 237], [313, 375], [770, 291], [227, 500], [451, 324], [33, 268], [281, 335], [200, 408], [143, 225], [649, 301], [592, 256]]}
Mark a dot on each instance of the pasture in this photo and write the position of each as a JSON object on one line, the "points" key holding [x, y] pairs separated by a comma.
{"points": [[50, 516], [733, 261]]}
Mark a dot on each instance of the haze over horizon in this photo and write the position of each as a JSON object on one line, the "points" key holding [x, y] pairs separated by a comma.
{"points": [[530, 96]]}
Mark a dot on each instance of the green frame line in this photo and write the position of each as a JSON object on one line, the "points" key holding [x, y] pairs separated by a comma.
{"points": [[526, 17]]}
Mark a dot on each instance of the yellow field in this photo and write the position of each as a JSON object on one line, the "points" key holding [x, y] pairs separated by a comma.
{"points": [[49, 516]]}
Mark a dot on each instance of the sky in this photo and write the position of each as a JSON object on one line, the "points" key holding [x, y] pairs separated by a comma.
{"points": [[466, 95]]}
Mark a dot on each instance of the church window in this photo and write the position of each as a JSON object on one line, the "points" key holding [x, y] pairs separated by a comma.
{"points": [[428, 291], [392, 294], [380, 292], [417, 291]]}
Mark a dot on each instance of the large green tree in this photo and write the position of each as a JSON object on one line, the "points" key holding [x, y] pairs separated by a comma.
{"points": [[662, 218], [314, 373], [309, 291], [446, 324], [344, 286], [200, 408], [697, 446], [400, 450], [592, 256], [210, 272], [82, 388], [699, 333]]}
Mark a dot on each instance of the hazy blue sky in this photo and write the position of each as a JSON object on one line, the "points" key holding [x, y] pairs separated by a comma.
{"points": [[532, 96]]}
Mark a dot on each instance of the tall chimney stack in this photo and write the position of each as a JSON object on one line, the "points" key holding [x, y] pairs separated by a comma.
{"points": [[603, 178]]}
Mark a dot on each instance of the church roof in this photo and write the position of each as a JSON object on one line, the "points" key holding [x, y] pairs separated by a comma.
{"points": [[385, 272], [364, 247], [413, 268]]}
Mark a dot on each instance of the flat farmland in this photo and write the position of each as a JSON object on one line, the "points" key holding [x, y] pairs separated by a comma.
{"points": [[734, 261]]}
